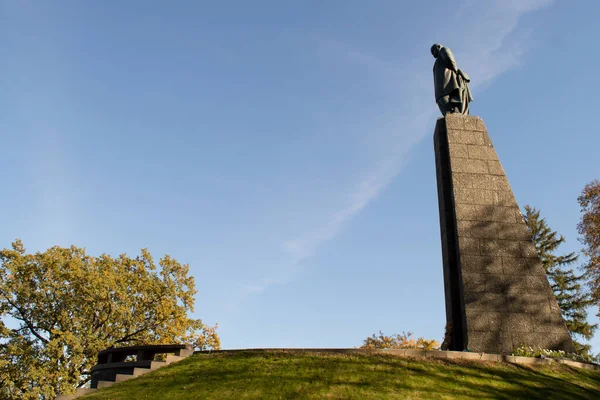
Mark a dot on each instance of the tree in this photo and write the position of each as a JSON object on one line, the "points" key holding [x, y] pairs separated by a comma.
{"points": [[403, 341], [67, 306], [589, 229], [567, 286]]}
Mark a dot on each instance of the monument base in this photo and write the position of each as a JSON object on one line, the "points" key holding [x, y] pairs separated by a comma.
{"points": [[497, 293]]}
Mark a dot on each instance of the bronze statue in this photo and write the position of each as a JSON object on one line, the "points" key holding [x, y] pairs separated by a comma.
{"points": [[452, 93]]}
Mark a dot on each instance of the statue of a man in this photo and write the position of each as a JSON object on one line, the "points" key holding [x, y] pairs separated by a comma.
{"points": [[452, 93]]}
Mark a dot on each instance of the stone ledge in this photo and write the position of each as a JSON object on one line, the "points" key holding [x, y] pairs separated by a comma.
{"points": [[454, 355]]}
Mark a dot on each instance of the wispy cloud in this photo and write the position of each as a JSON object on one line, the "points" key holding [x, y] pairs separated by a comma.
{"points": [[485, 47], [491, 48]]}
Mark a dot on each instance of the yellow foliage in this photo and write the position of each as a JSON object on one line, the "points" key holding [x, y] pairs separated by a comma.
{"points": [[70, 305], [589, 229], [402, 341]]}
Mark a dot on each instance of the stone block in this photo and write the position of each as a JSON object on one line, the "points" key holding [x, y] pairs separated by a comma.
{"points": [[492, 302], [505, 199], [528, 249], [513, 231], [465, 137], [471, 123], [490, 357], [490, 248], [474, 196], [454, 137], [468, 246], [577, 364], [469, 212], [462, 180], [528, 303], [501, 183], [526, 283], [570, 363], [522, 266], [480, 264], [540, 285], [480, 212], [486, 138], [547, 322], [489, 182], [465, 355], [519, 219], [495, 168], [495, 342], [474, 282], [498, 283], [477, 229], [555, 308], [527, 360], [414, 353], [469, 166], [483, 152], [436, 354], [481, 126], [483, 320], [505, 214], [499, 248], [532, 360], [458, 150], [395, 352], [454, 122], [518, 322]]}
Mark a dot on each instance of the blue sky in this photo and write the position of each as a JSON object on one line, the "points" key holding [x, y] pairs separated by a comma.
{"points": [[284, 149]]}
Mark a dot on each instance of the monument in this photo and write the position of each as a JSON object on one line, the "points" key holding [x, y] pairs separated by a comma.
{"points": [[497, 294], [451, 84]]}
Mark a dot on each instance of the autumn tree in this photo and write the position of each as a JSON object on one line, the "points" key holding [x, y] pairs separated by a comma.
{"points": [[398, 341], [589, 231], [568, 287], [60, 307]]}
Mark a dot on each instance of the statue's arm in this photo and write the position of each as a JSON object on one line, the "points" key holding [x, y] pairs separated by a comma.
{"points": [[451, 63], [449, 58]]}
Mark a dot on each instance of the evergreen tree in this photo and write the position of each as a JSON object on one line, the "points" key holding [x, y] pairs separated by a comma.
{"points": [[566, 284]]}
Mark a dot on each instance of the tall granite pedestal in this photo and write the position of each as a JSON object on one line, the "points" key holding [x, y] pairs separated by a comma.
{"points": [[497, 293]]}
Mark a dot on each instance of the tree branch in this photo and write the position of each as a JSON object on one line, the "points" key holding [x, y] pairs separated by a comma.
{"points": [[86, 380], [129, 336], [29, 324], [101, 323]]}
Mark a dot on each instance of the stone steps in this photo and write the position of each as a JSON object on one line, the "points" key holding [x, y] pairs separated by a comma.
{"points": [[103, 384], [172, 358], [154, 365]]}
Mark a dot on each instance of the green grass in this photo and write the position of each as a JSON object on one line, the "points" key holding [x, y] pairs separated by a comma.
{"points": [[336, 376]]}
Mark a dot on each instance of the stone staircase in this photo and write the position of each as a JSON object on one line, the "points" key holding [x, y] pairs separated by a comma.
{"points": [[137, 371]]}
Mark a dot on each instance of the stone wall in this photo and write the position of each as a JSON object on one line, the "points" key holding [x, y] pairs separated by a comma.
{"points": [[497, 293]]}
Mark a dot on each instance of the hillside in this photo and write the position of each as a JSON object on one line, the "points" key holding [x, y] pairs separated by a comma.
{"points": [[263, 375]]}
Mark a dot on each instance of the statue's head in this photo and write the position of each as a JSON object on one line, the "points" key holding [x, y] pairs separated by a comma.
{"points": [[435, 50]]}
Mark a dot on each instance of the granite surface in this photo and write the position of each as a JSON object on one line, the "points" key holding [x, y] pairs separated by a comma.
{"points": [[497, 293]]}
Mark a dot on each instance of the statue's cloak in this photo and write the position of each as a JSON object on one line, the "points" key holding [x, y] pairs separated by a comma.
{"points": [[445, 79]]}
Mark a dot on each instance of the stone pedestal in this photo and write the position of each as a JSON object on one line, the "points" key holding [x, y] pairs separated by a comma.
{"points": [[497, 293]]}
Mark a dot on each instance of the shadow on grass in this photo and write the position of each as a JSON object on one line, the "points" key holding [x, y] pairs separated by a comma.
{"points": [[294, 376]]}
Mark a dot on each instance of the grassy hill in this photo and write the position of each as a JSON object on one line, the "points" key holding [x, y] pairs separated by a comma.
{"points": [[337, 376]]}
